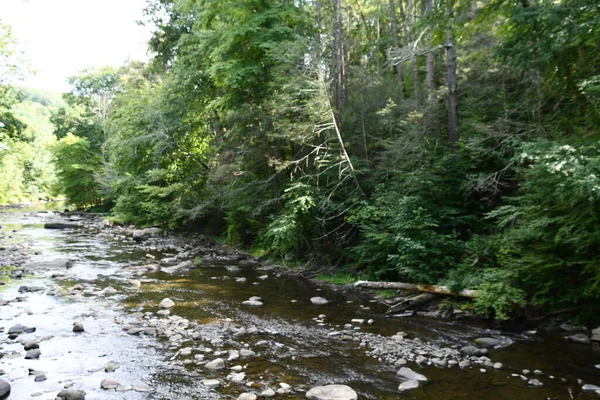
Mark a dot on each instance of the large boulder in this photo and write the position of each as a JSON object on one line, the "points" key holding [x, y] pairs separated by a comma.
{"points": [[332, 392]]}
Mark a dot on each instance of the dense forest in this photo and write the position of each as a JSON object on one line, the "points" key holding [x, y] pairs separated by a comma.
{"points": [[450, 142]]}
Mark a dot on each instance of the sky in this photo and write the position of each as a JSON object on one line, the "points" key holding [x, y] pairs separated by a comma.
{"points": [[62, 37]]}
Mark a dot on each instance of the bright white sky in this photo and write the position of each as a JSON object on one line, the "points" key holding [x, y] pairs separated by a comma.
{"points": [[62, 37]]}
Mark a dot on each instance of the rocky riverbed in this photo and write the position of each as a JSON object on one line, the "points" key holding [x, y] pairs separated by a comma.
{"points": [[96, 311]]}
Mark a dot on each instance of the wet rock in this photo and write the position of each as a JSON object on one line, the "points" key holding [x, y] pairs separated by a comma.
{"points": [[318, 301], [596, 334], [498, 365], [472, 351], [408, 385], [71, 394], [112, 366], [211, 383], [166, 303], [244, 353], [58, 225], [110, 291], [19, 329], [30, 289], [409, 374], [4, 389], [215, 364], [247, 396], [78, 327], [268, 393], [253, 303], [108, 383], [589, 388], [33, 354], [181, 267], [29, 345], [535, 383], [487, 342], [142, 235], [580, 338], [332, 392], [40, 378]]}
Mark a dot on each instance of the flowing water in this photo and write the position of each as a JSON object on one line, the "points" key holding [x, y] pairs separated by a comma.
{"points": [[299, 351]]}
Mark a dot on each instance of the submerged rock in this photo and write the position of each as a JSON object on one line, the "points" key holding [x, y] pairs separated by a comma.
{"points": [[332, 392], [59, 225], [318, 301]]}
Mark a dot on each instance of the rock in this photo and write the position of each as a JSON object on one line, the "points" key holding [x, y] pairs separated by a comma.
{"points": [[31, 345], [110, 291], [40, 378], [135, 284], [112, 366], [33, 354], [246, 353], [166, 303], [535, 383], [589, 388], [318, 301], [268, 393], [409, 374], [108, 383], [252, 303], [332, 392], [596, 334], [408, 385], [247, 396], [580, 338], [211, 383], [4, 389], [18, 329], [215, 364], [71, 394], [145, 234], [472, 351], [58, 225], [498, 365], [568, 328], [59, 263], [487, 342], [78, 327]]}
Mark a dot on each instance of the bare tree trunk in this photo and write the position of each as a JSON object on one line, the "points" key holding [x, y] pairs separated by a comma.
{"points": [[429, 61], [338, 76], [452, 89], [410, 8], [399, 71], [435, 289]]}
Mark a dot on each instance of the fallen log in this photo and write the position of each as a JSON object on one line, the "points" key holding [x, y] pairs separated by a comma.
{"points": [[435, 289], [412, 303]]}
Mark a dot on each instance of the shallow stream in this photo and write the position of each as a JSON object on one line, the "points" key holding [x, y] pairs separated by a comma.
{"points": [[298, 352]]}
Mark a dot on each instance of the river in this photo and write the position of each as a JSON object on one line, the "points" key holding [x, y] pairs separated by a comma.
{"points": [[291, 344]]}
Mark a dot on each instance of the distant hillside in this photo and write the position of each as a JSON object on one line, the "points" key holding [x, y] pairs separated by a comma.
{"points": [[44, 97]]}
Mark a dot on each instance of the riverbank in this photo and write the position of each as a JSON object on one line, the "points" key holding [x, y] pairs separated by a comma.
{"points": [[119, 277]]}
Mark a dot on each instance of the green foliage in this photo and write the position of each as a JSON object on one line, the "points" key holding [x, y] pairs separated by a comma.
{"points": [[551, 241], [77, 165]]}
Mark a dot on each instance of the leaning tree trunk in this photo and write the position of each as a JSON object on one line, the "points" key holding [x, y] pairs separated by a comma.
{"points": [[452, 89], [435, 289], [399, 71]]}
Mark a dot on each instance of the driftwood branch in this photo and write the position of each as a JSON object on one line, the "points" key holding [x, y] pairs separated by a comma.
{"points": [[435, 289]]}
